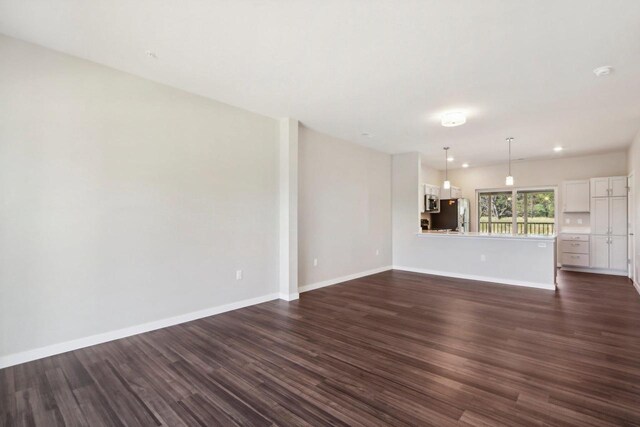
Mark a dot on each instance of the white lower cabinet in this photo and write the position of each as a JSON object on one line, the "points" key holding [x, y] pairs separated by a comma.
{"points": [[609, 252], [618, 216], [574, 250], [575, 260], [618, 253], [600, 252]]}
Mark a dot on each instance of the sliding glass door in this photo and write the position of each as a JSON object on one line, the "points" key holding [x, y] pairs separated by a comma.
{"points": [[496, 212], [536, 212], [517, 211]]}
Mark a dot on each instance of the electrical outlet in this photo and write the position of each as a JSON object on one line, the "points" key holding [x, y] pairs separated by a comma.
{"points": [[567, 221], [579, 220], [315, 262], [483, 257], [377, 251], [238, 274]]}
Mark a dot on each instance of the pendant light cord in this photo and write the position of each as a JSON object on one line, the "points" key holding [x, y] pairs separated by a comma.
{"points": [[510, 156], [509, 139], [446, 164]]}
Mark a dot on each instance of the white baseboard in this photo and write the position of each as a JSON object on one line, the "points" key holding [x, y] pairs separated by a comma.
{"points": [[63, 347], [595, 271], [318, 285], [636, 285], [289, 297], [501, 281]]}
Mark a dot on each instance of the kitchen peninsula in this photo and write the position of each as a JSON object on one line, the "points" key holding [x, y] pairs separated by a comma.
{"points": [[523, 260]]}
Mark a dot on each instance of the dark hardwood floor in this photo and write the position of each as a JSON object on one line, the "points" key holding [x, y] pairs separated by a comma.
{"points": [[395, 348]]}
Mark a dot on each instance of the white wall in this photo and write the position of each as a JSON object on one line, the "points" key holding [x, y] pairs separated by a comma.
{"points": [[344, 208], [123, 201], [429, 175], [288, 198], [406, 175], [633, 165], [550, 172]]}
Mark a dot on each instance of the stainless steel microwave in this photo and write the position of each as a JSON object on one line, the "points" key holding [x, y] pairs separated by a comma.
{"points": [[430, 203]]}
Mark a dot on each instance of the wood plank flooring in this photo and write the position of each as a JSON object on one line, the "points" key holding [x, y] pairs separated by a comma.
{"points": [[394, 348]]}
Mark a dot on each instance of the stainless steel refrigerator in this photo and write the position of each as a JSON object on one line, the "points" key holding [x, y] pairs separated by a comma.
{"points": [[453, 215]]}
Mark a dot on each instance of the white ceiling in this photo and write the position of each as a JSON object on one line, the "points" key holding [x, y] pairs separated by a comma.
{"points": [[518, 68]]}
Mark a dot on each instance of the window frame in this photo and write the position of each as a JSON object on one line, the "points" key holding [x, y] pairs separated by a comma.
{"points": [[514, 194]]}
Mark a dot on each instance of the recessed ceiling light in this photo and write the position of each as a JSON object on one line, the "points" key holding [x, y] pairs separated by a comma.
{"points": [[151, 54], [450, 159], [465, 165], [454, 118], [603, 71], [557, 149]]}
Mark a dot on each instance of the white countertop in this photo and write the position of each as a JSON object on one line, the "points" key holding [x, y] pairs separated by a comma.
{"points": [[476, 235], [575, 230]]}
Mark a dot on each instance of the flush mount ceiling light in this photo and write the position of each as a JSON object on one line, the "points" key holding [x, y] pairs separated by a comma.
{"points": [[558, 149], [454, 118], [447, 184], [509, 180], [465, 165], [603, 71]]}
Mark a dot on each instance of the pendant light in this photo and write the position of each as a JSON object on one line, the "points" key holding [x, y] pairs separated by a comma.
{"points": [[509, 180], [447, 184]]}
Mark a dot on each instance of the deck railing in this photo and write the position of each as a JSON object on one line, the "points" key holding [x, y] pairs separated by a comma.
{"points": [[543, 228]]}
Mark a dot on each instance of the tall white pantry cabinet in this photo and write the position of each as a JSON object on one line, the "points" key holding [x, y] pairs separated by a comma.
{"points": [[609, 224]]}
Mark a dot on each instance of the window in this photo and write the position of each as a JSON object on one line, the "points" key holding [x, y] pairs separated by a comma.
{"points": [[523, 210]]}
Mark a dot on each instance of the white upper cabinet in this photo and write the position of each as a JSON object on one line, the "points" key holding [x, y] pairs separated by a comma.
{"points": [[432, 190], [618, 216], [599, 187], [609, 216], [456, 193], [576, 196], [615, 186], [600, 215], [618, 186]]}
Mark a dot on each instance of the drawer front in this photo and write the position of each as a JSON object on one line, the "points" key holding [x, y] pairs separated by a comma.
{"points": [[574, 237], [577, 260], [574, 246]]}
